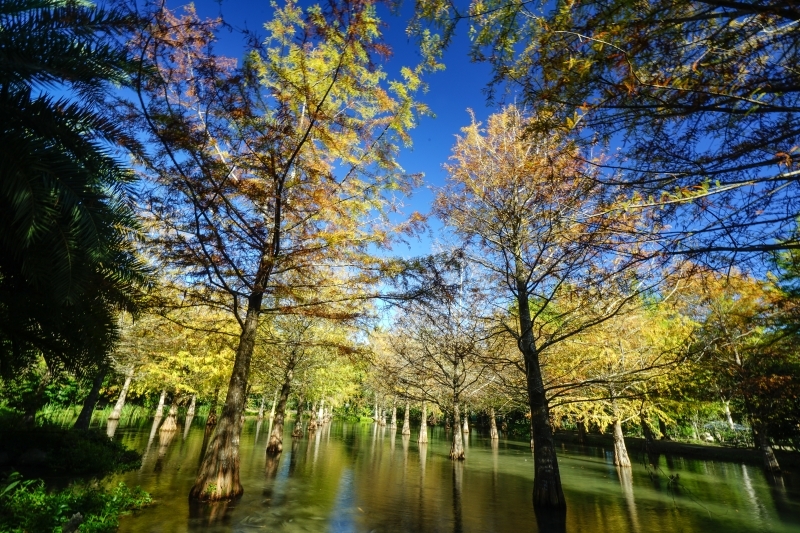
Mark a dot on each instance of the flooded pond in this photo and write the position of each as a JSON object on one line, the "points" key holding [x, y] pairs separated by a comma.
{"points": [[363, 477]]}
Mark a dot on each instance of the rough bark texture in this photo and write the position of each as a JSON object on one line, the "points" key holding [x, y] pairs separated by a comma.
{"points": [[493, 425], [85, 418], [171, 422], [423, 426], [457, 446], [218, 477], [547, 489], [407, 420], [275, 445], [621, 458], [115, 414]]}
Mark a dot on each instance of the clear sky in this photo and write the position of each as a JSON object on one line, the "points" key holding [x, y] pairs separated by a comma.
{"points": [[451, 92]]}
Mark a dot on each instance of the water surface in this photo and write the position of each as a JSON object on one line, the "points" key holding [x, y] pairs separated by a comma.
{"points": [[366, 478]]}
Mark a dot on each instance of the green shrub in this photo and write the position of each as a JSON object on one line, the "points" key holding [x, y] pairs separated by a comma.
{"points": [[27, 506]]}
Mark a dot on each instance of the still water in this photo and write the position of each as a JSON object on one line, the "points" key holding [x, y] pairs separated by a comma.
{"points": [[363, 477]]}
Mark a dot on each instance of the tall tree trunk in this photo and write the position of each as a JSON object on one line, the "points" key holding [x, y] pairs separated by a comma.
{"points": [[423, 425], [192, 407], [85, 417], [394, 414], [457, 447], [161, 400], [547, 489], [218, 478], [407, 420], [621, 458], [261, 409], [492, 425], [298, 423], [115, 414], [212, 411], [466, 421], [728, 417], [275, 444]]}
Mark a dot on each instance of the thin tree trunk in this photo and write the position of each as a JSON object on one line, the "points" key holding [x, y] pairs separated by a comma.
{"points": [[621, 458], [218, 478], [547, 489], [466, 421], [407, 420], [275, 444], [161, 400], [115, 414], [423, 426], [492, 425], [457, 447], [274, 403], [728, 417], [192, 407], [298, 424], [376, 417], [85, 417], [770, 461], [394, 414], [212, 411], [581, 423], [261, 409]]}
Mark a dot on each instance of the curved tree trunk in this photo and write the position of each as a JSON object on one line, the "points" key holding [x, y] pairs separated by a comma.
{"points": [[492, 425], [547, 489], [457, 446], [218, 477], [171, 422], [298, 423], [85, 417], [115, 414], [275, 444], [621, 458], [423, 426], [407, 420]]}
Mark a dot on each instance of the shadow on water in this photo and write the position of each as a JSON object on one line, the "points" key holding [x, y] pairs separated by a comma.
{"points": [[551, 520]]}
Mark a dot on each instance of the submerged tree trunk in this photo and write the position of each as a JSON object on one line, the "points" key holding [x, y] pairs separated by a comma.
{"points": [[274, 402], [212, 411], [621, 458], [298, 423], [466, 421], [85, 417], [218, 477], [393, 424], [492, 425], [407, 420], [171, 422], [457, 446], [275, 444], [547, 489], [423, 426], [115, 414]]}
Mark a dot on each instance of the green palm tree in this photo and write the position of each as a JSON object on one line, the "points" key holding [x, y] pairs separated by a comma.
{"points": [[67, 255]]}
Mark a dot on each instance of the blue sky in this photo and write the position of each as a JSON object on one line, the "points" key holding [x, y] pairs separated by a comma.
{"points": [[450, 93]]}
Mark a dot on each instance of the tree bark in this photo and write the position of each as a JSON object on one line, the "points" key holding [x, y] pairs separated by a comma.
{"points": [[423, 426], [621, 458], [218, 477], [115, 414], [275, 444], [298, 423], [728, 417], [274, 403], [770, 461], [466, 421], [393, 423], [171, 422], [161, 400], [261, 409], [492, 425], [457, 446], [312, 424], [85, 417], [192, 407], [407, 420], [547, 489]]}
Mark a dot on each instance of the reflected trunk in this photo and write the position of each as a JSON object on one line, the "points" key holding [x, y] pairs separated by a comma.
{"points": [[458, 477], [626, 482]]}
